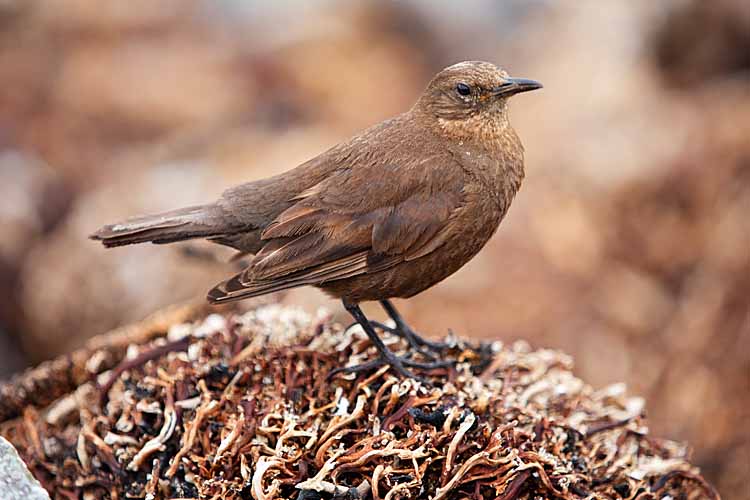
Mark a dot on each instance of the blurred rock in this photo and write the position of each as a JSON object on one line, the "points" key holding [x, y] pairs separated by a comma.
{"points": [[687, 229], [72, 288], [90, 15], [34, 200], [699, 41], [86, 81]]}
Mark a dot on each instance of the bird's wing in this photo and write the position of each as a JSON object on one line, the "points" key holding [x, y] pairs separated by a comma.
{"points": [[345, 226]]}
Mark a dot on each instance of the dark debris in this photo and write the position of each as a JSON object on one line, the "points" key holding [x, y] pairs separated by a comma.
{"points": [[206, 413]]}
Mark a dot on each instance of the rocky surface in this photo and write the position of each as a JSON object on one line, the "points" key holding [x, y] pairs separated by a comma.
{"points": [[16, 482]]}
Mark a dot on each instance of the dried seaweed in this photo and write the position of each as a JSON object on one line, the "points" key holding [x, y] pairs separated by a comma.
{"points": [[241, 406], [54, 378]]}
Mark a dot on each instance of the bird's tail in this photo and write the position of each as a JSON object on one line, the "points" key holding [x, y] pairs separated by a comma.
{"points": [[203, 221]]}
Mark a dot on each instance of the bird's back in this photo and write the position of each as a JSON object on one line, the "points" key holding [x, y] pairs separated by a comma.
{"points": [[385, 158]]}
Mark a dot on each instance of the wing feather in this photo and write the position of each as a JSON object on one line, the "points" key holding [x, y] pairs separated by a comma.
{"points": [[235, 288]]}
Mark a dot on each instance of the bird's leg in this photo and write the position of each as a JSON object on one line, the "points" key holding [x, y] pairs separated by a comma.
{"points": [[387, 357], [405, 331]]}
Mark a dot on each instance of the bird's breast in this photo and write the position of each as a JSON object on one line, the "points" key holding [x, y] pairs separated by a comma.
{"points": [[494, 172]]}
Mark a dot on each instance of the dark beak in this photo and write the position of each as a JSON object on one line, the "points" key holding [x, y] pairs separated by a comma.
{"points": [[514, 86]]}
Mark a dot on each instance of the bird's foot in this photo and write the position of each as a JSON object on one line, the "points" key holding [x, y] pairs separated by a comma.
{"points": [[398, 364], [429, 349], [387, 357]]}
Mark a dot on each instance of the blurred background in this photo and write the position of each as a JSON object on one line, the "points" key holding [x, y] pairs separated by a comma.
{"points": [[628, 246]]}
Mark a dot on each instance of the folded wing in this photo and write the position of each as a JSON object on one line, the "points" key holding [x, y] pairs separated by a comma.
{"points": [[343, 227]]}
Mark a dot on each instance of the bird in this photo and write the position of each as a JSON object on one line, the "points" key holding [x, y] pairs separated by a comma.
{"points": [[387, 214]]}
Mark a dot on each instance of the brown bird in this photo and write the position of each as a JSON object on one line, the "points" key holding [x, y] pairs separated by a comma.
{"points": [[388, 213]]}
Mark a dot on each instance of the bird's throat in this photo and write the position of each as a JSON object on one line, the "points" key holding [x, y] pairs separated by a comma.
{"points": [[482, 127]]}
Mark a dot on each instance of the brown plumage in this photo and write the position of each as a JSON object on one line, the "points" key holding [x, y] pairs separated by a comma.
{"points": [[389, 213]]}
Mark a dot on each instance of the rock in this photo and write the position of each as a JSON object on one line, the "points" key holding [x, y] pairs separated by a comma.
{"points": [[16, 482]]}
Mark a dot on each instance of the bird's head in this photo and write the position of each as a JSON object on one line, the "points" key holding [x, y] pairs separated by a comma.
{"points": [[471, 93]]}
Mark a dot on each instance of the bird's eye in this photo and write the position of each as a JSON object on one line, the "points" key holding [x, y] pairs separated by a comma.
{"points": [[463, 89]]}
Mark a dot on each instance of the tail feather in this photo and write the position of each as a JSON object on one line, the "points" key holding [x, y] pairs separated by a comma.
{"points": [[182, 224]]}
